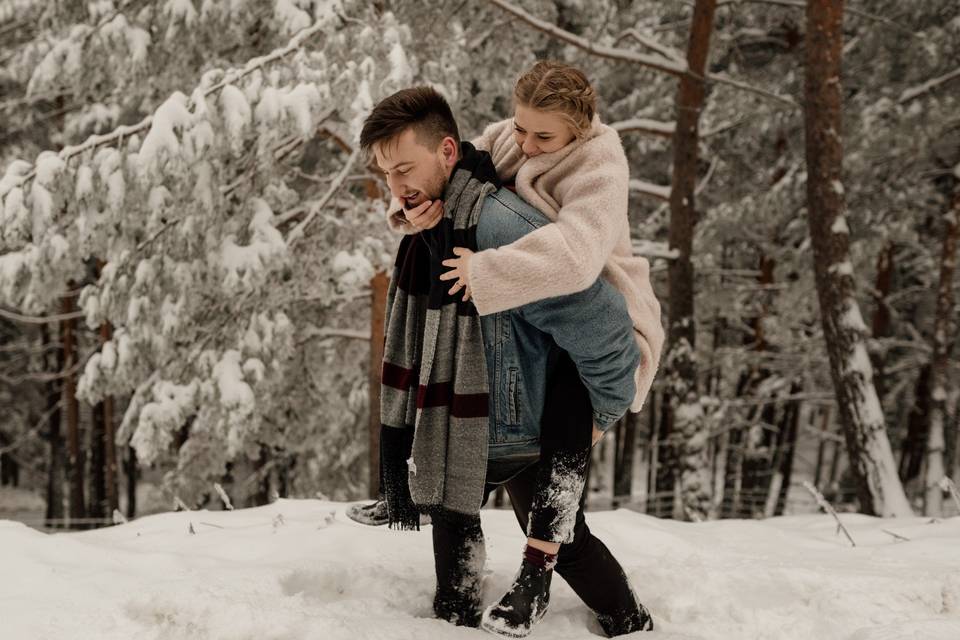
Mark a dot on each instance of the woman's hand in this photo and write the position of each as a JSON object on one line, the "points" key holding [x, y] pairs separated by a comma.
{"points": [[597, 435], [460, 267]]}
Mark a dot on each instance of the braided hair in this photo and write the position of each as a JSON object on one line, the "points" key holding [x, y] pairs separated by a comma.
{"points": [[559, 88]]}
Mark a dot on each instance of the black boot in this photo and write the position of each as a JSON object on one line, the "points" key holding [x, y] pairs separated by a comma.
{"points": [[525, 603], [459, 556], [625, 622]]}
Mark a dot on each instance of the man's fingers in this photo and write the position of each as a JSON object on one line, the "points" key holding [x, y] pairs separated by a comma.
{"points": [[428, 218], [433, 215], [450, 275], [416, 212]]}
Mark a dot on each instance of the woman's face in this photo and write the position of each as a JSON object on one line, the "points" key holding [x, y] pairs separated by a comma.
{"points": [[539, 132]]}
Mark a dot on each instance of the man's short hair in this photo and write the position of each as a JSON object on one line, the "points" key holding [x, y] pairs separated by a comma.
{"points": [[421, 108]]}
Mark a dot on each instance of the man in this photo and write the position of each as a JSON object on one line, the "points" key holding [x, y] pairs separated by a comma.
{"points": [[463, 397]]}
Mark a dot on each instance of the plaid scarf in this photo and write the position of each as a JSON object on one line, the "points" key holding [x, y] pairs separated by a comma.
{"points": [[434, 394]]}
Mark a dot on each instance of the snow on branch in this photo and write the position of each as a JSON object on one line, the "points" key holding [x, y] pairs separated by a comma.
{"points": [[338, 181], [645, 125], [929, 85], [48, 319], [651, 250], [664, 50], [667, 65], [13, 180], [650, 189]]}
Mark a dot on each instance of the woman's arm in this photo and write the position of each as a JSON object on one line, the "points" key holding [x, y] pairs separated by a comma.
{"points": [[561, 258]]}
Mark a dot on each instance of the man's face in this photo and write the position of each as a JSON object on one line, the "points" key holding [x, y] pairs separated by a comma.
{"points": [[415, 173]]}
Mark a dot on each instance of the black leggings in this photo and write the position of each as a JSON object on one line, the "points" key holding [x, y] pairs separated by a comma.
{"points": [[566, 435]]}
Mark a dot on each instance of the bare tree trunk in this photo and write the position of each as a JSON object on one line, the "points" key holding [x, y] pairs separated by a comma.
{"points": [[75, 460], [55, 470], [112, 494], [821, 448], [652, 489], [871, 458], [686, 417], [795, 415], [131, 471], [720, 474], [881, 315], [378, 304], [626, 446], [943, 332], [98, 479]]}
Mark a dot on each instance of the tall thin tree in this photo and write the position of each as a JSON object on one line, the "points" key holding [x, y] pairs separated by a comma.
{"points": [[942, 340], [871, 458], [685, 418]]}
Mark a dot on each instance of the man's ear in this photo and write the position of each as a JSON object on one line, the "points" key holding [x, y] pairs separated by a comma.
{"points": [[449, 152]]}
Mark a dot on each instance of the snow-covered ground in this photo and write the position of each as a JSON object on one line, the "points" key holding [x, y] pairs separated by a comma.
{"points": [[300, 569]]}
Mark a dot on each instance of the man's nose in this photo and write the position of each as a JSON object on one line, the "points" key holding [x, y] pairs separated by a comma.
{"points": [[528, 147], [395, 187]]}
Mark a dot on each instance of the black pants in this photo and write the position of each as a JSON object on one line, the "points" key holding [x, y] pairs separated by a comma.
{"points": [[584, 562]]}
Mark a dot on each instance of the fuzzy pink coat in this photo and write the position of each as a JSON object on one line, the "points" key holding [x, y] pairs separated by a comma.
{"points": [[583, 189]]}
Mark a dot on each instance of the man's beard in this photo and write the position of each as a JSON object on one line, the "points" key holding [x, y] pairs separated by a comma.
{"points": [[433, 190]]}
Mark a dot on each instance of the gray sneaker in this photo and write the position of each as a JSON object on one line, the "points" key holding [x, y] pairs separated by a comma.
{"points": [[374, 514]]}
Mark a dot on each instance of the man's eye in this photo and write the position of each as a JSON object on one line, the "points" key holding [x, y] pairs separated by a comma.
{"points": [[544, 137], [403, 172], [519, 130]]}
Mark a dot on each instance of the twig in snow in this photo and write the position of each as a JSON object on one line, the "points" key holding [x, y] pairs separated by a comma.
{"points": [[949, 485], [223, 496], [210, 524], [178, 504], [192, 530], [896, 536], [828, 508]]}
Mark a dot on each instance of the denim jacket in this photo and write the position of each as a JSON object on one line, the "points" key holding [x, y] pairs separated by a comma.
{"points": [[593, 326]]}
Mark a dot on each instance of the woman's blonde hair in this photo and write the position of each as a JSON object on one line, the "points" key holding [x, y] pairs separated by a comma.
{"points": [[556, 87]]}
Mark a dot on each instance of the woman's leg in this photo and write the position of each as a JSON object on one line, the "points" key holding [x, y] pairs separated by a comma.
{"points": [[557, 484], [566, 433], [587, 565]]}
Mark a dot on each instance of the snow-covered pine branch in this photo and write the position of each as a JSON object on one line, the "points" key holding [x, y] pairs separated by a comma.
{"points": [[645, 125], [657, 191], [915, 92], [192, 269]]}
